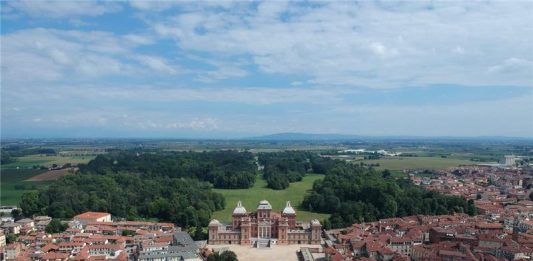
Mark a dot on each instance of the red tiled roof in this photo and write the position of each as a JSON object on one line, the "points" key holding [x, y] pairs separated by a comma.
{"points": [[489, 226], [54, 256], [91, 215]]}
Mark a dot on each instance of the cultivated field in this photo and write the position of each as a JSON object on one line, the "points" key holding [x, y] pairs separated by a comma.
{"points": [[251, 197], [51, 175], [20, 176], [29, 161], [14, 184]]}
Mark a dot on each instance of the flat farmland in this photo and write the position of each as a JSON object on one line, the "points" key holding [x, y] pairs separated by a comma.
{"points": [[29, 161], [400, 163], [14, 183], [250, 198], [20, 176], [51, 175]]}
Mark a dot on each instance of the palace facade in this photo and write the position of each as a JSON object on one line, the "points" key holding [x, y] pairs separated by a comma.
{"points": [[264, 227]]}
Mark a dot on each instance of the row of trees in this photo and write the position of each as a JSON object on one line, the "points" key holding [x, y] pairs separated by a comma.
{"points": [[223, 169], [186, 202], [227, 255], [354, 193], [20, 151]]}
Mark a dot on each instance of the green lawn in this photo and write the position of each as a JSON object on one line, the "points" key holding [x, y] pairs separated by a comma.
{"points": [[29, 161], [400, 163], [10, 178], [251, 197]]}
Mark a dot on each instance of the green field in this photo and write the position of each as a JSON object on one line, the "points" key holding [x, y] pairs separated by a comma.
{"points": [[29, 161], [400, 163], [10, 178], [251, 197], [14, 174]]}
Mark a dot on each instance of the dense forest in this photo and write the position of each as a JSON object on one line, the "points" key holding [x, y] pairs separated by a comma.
{"points": [[186, 202], [354, 193], [281, 168], [176, 187], [224, 169]]}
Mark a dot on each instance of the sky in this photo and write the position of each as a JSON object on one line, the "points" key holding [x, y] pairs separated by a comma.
{"points": [[232, 69]]}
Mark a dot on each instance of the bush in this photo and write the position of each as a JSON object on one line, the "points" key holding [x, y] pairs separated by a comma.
{"points": [[20, 187], [55, 226]]}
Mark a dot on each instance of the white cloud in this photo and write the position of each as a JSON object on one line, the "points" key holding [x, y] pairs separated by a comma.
{"points": [[383, 52], [156, 63], [260, 110], [139, 94], [156, 5], [55, 78], [223, 72], [62, 9], [365, 44], [513, 65], [35, 55]]}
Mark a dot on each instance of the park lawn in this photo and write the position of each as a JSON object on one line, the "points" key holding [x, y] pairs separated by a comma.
{"points": [[250, 198], [41, 159], [400, 163], [10, 178]]}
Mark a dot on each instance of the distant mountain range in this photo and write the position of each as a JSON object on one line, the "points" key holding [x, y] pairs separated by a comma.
{"points": [[298, 136]]}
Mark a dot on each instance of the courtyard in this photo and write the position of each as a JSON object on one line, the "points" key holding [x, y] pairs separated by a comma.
{"points": [[276, 252]]}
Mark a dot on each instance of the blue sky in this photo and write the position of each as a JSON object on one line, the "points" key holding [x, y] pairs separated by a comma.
{"points": [[230, 69]]}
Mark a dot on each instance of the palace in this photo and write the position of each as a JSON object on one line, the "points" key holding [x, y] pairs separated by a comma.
{"points": [[264, 228]]}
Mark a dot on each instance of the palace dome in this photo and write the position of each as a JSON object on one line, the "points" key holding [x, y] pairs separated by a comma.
{"points": [[289, 210], [239, 209], [263, 204]]}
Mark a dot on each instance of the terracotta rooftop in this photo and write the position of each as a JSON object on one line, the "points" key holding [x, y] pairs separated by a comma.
{"points": [[91, 215]]}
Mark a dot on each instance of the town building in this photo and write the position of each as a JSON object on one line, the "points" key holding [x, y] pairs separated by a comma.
{"points": [[2, 239], [92, 236], [264, 228], [183, 248], [89, 217]]}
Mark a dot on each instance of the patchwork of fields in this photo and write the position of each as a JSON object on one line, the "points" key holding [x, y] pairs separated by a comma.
{"points": [[29, 161], [399, 163], [20, 176]]}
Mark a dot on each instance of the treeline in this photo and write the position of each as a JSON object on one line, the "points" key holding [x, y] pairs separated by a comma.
{"points": [[283, 168], [223, 169], [352, 194], [19, 151], [6, 158], [186, 202]]}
